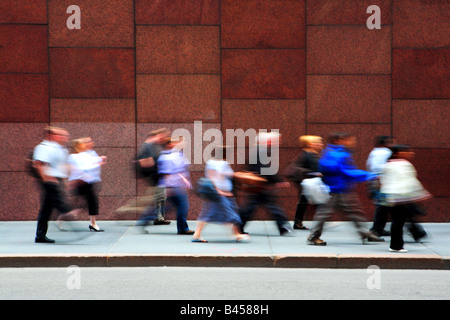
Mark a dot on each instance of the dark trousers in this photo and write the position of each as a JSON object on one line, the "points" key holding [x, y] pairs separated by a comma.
{"points": [[53, 197], [269, 201], [379, 219], [348, 203], [89, 192], [400, 215], [302, 206]]}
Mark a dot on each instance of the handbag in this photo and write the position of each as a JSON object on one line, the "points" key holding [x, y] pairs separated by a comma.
{"points": [[315, 190], [206, 189]]}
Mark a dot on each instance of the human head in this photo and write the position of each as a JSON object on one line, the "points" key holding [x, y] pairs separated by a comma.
{"points": [[384, 141], [56, 134], [78, 145], [345, 139], [315, 143], [159, 135], [82, 144], [402, 151]]}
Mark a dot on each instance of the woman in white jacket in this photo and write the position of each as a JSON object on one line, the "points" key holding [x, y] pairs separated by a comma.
{"points": [[402, 190], [85, 170]]}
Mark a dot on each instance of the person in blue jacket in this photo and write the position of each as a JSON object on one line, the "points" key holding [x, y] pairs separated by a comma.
{"points": [[341, 175]]}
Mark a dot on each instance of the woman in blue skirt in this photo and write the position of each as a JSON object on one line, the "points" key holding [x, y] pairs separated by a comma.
{"points": [[224, 209]]}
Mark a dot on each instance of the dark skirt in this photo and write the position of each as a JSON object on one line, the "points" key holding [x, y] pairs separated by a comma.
{"points": [[225, 210]]}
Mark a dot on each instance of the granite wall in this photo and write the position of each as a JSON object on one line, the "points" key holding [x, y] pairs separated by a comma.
{"points": [[301, 66]]}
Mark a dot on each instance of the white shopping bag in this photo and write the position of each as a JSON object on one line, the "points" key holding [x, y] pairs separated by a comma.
{"points": [[315, 190]]}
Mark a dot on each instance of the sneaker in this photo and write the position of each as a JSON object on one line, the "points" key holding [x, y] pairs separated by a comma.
{"points": [[399, 250], [316, 242]]}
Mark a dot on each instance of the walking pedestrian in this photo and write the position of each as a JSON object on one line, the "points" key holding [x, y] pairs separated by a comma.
{"points": [[148, 168], [402, 191], [85, 176], [376, 161], [223, 210], [173, 168], [267, 194], [341, 175], [50, 162], [303, 167]]}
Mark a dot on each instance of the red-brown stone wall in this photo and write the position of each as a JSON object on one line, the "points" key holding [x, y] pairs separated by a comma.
{"points": [[301, 66]]}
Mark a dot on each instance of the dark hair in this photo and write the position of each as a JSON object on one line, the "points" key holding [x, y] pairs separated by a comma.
{"points": [[381, 141], [399, 148], [336, 136]]}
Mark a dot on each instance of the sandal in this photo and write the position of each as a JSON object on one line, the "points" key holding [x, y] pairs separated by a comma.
{"points": [[200, 240]]}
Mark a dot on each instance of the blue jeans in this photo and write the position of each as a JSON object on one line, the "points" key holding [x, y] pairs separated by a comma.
{"points": [[179, 198]]}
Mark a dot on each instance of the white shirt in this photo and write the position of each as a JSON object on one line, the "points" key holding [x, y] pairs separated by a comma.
{"points": [[55, 156], [399, 181], [221, 175], [85, 166], [377, 159]]}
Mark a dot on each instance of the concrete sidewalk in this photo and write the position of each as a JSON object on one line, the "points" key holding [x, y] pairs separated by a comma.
{"points": [[125, 245]]}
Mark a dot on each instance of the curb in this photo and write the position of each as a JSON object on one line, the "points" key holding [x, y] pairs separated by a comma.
{"points": [[339, 261]]}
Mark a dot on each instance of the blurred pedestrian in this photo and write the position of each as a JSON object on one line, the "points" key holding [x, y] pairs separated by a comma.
{"points": [[50, 162], [267, 194], [148, 169], [402, 191], [173, 168], [376, 161], [303, 167], [85, 176], [224, 208], [341, 175]]}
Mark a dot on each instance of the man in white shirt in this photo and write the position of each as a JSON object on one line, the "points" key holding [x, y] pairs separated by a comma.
{"points": [[50, 161]]}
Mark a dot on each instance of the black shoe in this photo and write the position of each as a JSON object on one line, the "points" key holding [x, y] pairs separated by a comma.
{"points": [[298, 226], [95, 229], [187, 232], [44, 240], [161, 222]]}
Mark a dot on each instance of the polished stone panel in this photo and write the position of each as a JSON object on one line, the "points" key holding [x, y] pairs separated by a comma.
{"points": [[349, 98], [422, 123], [92, 110], [187, 12], [178, 49], [24, 98], [178, 98], [348, 50], [432, 169], [268, 115], [421, 24], [104, 134], [103, 24], [23, 11], [263, 24], [92, 73], [265, 74], [18, 140], [23, 48], [420, 73], [345, 12]]}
